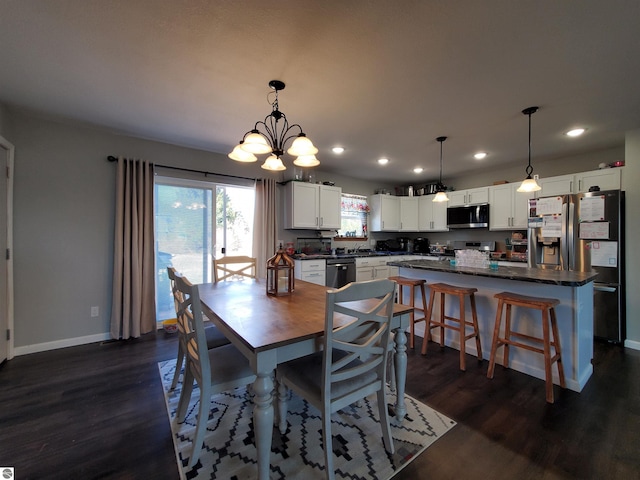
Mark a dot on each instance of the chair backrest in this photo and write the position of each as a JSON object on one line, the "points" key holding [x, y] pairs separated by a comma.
{"points": [[364, 338], [234, 267], [190, 322]]}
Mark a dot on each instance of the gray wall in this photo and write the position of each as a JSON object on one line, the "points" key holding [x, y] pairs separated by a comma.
{"points": [[631, 185], [63, 219]]}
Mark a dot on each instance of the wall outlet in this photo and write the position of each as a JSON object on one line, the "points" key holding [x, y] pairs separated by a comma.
{"points": [[95, 311]]}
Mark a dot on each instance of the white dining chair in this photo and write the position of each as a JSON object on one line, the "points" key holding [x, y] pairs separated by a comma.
{"points": [[353, 362], [215, 370], [215, 338]]}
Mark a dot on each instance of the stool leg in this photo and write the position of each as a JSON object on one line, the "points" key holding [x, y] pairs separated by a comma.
{"points": [[427, 333], [556, 344], [463, 331], [495, 341], [442, 319], [547, 355], [476, 329], [412, 317], [507, 336]]}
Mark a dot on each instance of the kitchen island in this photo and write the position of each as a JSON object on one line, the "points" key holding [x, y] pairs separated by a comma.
{"points": [[574, 313]]}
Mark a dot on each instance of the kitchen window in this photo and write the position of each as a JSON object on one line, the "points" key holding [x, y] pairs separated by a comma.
{"points": [[354, 213]]}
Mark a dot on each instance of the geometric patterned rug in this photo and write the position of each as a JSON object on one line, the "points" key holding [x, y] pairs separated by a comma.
{"points": [[229, 451]]}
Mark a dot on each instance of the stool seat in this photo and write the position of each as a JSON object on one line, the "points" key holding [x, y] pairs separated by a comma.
{"points": [[414, 284], [550, 337], [462, 324]]}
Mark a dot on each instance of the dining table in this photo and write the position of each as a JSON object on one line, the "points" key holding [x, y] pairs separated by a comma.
{"points": [[270, 330]]}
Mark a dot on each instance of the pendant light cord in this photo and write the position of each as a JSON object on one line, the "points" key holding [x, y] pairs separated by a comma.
{"points": [[529, 111], [441, 140]]}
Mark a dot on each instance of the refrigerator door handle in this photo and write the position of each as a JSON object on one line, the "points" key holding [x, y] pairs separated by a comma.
{"points": [[566, 252], [601, 288]]}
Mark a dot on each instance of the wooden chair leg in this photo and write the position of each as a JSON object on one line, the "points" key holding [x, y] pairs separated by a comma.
{"points": [[507, 336], [495, 341], [556, 345], [476, 328], [427, 335], [463, 331], [547, 355], [442, 300]]}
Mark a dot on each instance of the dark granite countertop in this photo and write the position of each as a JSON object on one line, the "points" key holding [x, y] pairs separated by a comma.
{"points": [[320, 256], [553, 277]]}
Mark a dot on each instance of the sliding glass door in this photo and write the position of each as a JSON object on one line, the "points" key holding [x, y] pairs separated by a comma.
{"points": [[195, 221]]}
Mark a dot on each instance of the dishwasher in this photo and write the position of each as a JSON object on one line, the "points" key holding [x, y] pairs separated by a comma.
{"points": [[340, 271]]}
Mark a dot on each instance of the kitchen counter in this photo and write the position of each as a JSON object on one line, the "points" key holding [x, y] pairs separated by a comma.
{"points": [[574, 313], [554, 277]]}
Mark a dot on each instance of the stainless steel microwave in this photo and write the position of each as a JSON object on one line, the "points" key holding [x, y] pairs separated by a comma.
{"points": [[468, 216]]}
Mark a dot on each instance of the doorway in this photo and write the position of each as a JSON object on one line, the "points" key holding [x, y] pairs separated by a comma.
{"points": [[196, 221], [6, 251]]}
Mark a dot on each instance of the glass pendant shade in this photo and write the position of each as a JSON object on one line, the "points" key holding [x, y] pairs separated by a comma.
{"points": [[256, 143], [441, 197], [529, 185], [302, 146], [273, 163], [240, 155], [306, 161]]}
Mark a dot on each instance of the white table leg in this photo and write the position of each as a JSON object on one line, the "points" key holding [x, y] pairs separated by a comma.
{"points": [[263, 420], [400, 363]]}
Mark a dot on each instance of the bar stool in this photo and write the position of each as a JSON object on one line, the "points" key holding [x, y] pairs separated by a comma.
{"points": [[462, 324], [546, 307], [413, 284]]}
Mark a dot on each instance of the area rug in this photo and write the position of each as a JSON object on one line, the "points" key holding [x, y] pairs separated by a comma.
{"points": [[229, 451]]}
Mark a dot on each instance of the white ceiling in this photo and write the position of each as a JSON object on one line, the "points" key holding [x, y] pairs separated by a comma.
{"points": [[381, 78]]}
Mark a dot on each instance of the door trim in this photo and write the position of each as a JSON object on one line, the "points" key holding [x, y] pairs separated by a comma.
{"points": [[9, 162]]}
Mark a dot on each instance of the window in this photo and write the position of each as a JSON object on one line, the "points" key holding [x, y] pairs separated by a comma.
{"points": [[195, 220], [354, 210]]}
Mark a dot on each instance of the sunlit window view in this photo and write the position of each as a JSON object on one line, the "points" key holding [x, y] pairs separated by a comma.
{"points": [[185, 216], [354, 209]]}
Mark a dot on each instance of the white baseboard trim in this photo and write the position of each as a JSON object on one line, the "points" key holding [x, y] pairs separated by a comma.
{"points": [[632, 344], [67, 342]]}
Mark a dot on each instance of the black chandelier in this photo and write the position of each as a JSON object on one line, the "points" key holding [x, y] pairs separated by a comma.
{"points": [[529, 184], [441, 195], [276, 132]]}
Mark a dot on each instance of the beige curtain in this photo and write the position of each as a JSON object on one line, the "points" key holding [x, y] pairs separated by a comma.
{"points": [[264, 224], [133, 308]]}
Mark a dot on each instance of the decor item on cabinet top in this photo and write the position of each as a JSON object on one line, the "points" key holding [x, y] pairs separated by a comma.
{"points": [[273, 138], [529, 184]]}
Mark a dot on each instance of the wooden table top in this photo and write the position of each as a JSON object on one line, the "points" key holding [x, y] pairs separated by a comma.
{"points": [[263, 322]]}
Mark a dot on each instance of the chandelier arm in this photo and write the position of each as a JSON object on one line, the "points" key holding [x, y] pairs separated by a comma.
{"points": [[293, 135]]}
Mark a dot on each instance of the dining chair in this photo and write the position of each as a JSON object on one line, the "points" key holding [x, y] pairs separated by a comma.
{"points": [[353, 362], [215, 370], [215, 338], [234, 267]]}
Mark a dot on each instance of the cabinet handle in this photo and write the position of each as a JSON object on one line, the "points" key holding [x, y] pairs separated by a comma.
{"points": [[321, 221]]}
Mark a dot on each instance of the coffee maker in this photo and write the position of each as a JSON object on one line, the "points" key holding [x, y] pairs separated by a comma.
{"points": [[421, 245]]}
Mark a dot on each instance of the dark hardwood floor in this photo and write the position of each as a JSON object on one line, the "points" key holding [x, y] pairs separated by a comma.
{"points": [[97, 411]]}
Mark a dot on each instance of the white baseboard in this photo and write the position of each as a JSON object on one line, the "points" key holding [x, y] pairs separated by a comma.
{"points": [[67, 342], [632, 344]]}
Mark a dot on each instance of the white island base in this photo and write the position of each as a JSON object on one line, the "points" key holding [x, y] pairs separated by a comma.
{"points": [[574, 318]]}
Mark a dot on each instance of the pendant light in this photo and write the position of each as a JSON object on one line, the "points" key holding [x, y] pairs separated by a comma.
{"points": [[441, 195], [529, 184]]}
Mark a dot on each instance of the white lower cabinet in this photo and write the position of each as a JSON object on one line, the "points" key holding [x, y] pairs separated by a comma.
{"points": [[313, 271], [371, 268]]}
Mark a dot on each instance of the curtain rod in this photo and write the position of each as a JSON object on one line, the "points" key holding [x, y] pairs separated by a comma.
{"points": [[111, 158]]}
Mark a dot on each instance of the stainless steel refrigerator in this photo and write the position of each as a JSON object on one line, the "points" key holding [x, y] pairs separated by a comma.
{"points": [[583, 232]]}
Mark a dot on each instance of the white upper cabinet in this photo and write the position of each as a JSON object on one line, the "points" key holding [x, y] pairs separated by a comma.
{"points": [[560, 185], [385, 213], [508, 208], [432, 216], [409, 214], [606, 179], [312, 206], [472, 196]]}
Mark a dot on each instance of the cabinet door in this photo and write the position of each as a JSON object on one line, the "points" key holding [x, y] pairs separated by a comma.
{"points": [[439, 215], [560, 185], [303, 205], [425, 213], [606, 179], [457, 198], [501, 207], [330, 211], [478, 195], [364, 273], [385, 213], [520, 212], [409, 214], [380, 272]]}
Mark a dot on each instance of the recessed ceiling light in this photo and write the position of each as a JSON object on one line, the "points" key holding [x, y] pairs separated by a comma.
{"points": [[576, 132], [480, 155], [383, 161], [418, 170], [337, 150]]}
